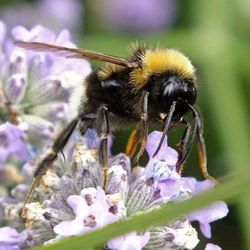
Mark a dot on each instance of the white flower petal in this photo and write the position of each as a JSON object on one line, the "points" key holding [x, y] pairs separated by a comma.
{"points": [[78, 205], [69, 228]]}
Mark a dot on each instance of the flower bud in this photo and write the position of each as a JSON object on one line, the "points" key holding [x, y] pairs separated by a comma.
{"points": [[182, 237], [47, 90], [51, 111], [15, 87], [39, 127], [18, 62], [140, 194]]}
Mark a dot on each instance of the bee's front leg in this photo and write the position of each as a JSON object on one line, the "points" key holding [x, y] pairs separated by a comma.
{"points": [[185, 144], [102, 124], [142, 127]]}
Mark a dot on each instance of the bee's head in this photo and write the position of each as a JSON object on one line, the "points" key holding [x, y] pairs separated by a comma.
{"points": [[169, 75], [177, 89]]}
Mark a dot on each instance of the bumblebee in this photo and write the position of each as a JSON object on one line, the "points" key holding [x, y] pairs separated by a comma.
{"points": [[152, 84]]}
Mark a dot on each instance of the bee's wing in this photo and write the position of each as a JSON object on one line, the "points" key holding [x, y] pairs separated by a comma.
{"points": [[75, 53]]}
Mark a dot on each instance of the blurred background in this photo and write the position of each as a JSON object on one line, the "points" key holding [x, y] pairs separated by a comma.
{"points": [[216, 37]]}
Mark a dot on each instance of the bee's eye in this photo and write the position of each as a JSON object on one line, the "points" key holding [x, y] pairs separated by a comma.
{"points": [[175, 89], [168, 88], [167, 95]]}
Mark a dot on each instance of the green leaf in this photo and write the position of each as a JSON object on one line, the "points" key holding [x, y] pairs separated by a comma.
{"points": [[221, 61], [229, 190]]}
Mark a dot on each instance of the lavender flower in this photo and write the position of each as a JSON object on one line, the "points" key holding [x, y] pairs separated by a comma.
{"points": [[2, 32], [10, 239], [92, 212], [211, 246], [35, 86], [170, 187], [28, 14], [135, 15], [130, 241], [11, 142], [71, 199], [209, 214]]}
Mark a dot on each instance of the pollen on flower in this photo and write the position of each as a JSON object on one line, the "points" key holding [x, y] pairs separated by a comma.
{"points": [[82, 155], [33, 212], [114, 199], [12, 211], [50, 179]]}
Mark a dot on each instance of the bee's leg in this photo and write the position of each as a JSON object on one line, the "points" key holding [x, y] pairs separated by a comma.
{"points": [[167, 124], [103, 131], [201, 147], [132, 143], [142, 127], [186, 143], [50, 156]]}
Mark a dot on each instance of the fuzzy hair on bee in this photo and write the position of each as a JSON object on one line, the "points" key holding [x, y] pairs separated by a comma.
{"points": [[152, 85], [112, 84]]}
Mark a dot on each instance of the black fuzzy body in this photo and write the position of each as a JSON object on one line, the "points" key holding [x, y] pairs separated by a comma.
{"points": [[123, 101]]}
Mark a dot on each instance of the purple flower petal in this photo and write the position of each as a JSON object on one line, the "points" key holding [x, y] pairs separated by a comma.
{"points": [[38, 126], [135, 15], [77, 203], [118, 180], [17, 63], [176, 188], [28, 14], [69, 228], [57, 10], [47, 90], [211, 246], [68, 69], [168, 187], [209, 214], [51, 111], [2, 32], [173, 189], [198, 186], [130, 241], [88, 216], [11, 142], [37, 34], [92, 139], [166, 153], [15, 87], [63, 39], [162, 166], [35, 81], [10, 239]]}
